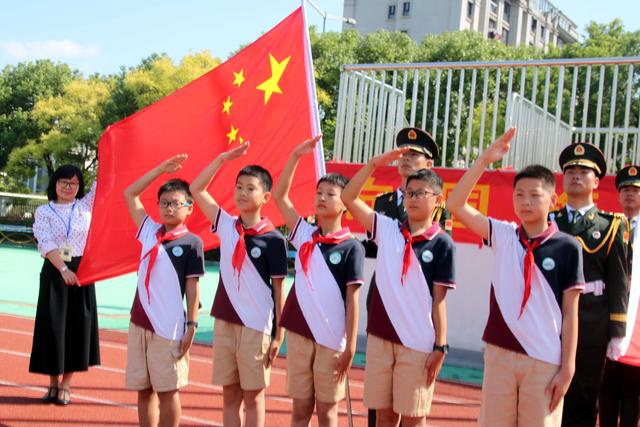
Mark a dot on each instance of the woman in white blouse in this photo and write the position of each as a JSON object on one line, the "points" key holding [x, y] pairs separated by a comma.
{"points": [[65, 338]]}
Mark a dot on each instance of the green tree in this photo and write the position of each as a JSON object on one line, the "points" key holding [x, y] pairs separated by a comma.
{"points": [[21, 86]]}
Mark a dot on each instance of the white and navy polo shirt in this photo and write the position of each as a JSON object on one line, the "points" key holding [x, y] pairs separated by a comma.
{"points": [[315, 307], [248, 299], [177, 260], [401, 313], [558, 268]]}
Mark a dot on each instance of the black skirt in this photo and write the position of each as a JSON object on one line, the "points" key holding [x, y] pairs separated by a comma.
{"points": [[65, 337]]}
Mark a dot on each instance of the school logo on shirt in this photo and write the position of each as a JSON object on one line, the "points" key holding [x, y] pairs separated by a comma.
{"points": [[548, 264], [427, 256], [177, 251], [335, 258], [255, 252]]}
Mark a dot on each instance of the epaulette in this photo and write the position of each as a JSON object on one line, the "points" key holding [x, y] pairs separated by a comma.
{"points": [[612, 215]]}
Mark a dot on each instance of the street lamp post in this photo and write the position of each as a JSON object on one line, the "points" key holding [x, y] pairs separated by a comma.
{"points": [[326, 16]]}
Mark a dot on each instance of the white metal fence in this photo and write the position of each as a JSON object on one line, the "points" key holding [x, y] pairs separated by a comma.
{"points": [[465, 105]]}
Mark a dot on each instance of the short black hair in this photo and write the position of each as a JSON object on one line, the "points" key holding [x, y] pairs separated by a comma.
{"points": [[259, 172], [537, 172], [428, 176], [336, 179], [65, 172], [176, 184]]}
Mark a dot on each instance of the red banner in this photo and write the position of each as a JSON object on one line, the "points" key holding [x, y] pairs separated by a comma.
{"points": [[493, 195]]}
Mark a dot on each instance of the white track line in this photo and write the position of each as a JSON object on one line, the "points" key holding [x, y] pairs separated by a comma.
{"points": [[208, 361], [106, 402]]}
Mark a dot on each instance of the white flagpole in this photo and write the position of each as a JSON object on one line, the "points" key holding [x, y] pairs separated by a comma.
{"points": [[313, 98]]}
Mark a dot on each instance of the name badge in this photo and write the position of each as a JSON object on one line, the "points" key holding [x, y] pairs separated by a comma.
{"points": [[65, 252]]}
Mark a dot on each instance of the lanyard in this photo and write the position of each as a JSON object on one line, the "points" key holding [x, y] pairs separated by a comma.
{"points": [[68, 224]]}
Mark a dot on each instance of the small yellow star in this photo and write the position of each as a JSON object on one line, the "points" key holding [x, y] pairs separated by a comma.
{"points": [[241, 140], [238, 78], [270, 85], [226, 106], [232, 134]]}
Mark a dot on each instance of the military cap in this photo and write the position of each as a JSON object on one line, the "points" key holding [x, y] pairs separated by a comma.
{"points": [[628, 176], [584, 154], [418, 140]]}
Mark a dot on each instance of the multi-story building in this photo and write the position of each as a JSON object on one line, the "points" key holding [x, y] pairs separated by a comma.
{"points": [[515, 22]]}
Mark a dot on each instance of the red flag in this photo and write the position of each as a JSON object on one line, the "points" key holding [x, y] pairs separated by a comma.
{"points": [[265, 94], [631, 342]]}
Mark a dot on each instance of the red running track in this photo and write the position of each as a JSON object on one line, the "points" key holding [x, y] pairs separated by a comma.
{"points": [[100, 399]]}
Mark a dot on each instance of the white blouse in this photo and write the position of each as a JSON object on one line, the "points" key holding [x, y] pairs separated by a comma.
{"points": [[50, 226]]}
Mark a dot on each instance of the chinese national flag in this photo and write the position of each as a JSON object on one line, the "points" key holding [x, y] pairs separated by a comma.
{"points": [[264, 94], [631, 342]]}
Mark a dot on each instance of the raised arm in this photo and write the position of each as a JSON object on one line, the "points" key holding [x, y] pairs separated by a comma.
{"points": [[281, 190], [133, 192], [351, 193], [199, 185], [457, 200]]}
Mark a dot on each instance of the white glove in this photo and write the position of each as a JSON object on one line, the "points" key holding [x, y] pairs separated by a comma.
{"points": [[614, 349]]}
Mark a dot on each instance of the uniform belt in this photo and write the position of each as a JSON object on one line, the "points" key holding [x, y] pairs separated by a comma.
{"points": [[596, 288]]}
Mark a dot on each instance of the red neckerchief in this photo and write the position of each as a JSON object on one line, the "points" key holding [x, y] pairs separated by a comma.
{"points": [[529, 261], [161, 237], [428, 234], [307, 247], [240, 251]]}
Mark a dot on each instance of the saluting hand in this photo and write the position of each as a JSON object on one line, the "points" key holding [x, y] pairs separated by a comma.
{"points": [[388, 157], [307, 147], [236, 152], [173, 164], [499, 147]]}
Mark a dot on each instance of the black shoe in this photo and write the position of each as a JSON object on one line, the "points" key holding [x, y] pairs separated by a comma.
{"points": [[64, 397], [51, 395]]}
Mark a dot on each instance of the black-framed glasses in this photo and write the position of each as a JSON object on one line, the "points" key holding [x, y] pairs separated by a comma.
{"points": [[65, 183], [163, 204], [419, 194]]}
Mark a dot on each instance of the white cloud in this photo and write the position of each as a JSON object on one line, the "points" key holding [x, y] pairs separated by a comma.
{"points": [[48, 49]]}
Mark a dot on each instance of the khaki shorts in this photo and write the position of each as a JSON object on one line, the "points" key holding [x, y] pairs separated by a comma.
{"points": [[513, 390], [395, 377], [240, 355], [311, 370], [154, 362]]}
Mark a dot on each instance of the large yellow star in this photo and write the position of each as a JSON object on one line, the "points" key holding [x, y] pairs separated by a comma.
{"points": [[232, 134], [270, 85], [238, 78], [226, 106]]}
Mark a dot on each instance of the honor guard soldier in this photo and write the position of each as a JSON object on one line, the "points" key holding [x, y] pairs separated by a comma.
{"points": [[619, 402], [424, 152], [603, 303]]}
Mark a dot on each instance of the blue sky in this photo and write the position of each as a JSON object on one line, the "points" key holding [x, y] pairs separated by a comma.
{"points": [[101, 36]]}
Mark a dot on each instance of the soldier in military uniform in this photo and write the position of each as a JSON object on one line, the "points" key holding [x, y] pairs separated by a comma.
{"points": [[619, 401], [603, 305], [424, 151]]}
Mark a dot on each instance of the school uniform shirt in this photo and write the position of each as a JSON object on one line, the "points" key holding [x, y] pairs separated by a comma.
{"points": [[161, 309], [558, 268], [400, 312], [52, 220], [247, 298], [315, 307]]}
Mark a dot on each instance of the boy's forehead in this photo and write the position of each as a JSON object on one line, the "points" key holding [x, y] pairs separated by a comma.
{"points": [[173, 195], [248, 179], [327, 186], [416, 184], [530, 183]]}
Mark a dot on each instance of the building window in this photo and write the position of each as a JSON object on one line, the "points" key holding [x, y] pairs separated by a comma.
{"points": [[494, 7], [391, 12], [405, 32], [507, 11], [406, 8], [542, 32], [493, 24], [505, 35], [534, 24], [470, 8]]}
